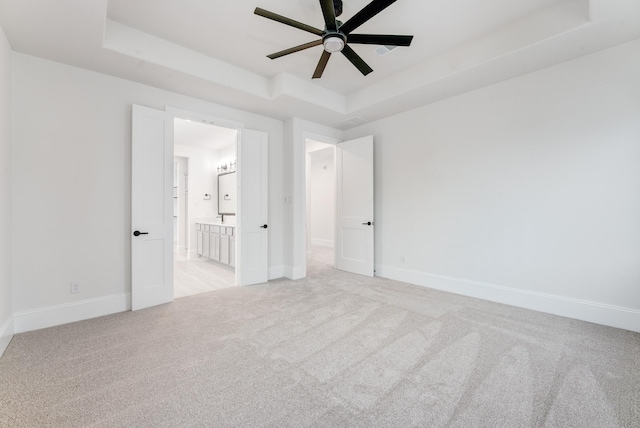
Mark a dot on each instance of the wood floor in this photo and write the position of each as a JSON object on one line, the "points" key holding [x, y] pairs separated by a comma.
{"points": [[195, 275]]}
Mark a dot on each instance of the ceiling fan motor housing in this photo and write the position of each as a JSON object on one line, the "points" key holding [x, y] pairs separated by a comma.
{"points": [[337, 6]]}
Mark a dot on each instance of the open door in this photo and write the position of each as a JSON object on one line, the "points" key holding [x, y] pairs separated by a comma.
{"points": [[354, 206], [151, 208], [253, 225]]}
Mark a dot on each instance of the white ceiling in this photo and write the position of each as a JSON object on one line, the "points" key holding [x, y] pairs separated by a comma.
{"points": [[202, 135], [216, 50]]}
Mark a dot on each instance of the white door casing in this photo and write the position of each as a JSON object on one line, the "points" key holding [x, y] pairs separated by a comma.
{"points": [[253, 243], [354, 206], [151, 208]]}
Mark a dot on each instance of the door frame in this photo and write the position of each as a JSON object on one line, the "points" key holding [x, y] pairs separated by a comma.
{"points": [[177, 113]]}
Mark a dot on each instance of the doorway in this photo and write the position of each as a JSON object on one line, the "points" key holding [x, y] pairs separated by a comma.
{"points": [[152, 166], [320, 205], [202, 153], [354, 206]]}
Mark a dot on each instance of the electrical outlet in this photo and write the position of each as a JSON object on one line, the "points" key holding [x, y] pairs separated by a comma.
{"points": [[75, 288], [403, 259]]}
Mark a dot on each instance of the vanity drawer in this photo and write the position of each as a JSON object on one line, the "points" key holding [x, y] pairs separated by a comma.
{"points": [[198, 227], [215, 229], [227, 230], [206, 227]]}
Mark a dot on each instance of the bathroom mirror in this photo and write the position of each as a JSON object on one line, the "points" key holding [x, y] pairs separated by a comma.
{"points": [[227, 192]]}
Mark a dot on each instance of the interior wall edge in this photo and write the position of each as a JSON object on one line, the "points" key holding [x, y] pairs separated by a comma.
{"points": [[52, 316], [598, 313], [6, 334], [295, 272]]}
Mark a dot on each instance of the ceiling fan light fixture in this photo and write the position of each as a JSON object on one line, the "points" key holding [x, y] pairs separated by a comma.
{"points": [[333, 44]]}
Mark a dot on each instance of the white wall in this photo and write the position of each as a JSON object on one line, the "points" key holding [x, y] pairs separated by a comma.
{"points": [[321, 198], [72, 186], [6, 298], [525, 192]]}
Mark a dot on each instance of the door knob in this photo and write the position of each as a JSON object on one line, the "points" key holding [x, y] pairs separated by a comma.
{"points": [[367, 223], [138, 233], [264, 227]]}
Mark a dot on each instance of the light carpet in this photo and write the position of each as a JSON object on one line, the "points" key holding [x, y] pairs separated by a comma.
{"points": [[333, 350]]}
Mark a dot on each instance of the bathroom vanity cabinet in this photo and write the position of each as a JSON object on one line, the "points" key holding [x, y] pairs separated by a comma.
{"points": [[217, 242]]}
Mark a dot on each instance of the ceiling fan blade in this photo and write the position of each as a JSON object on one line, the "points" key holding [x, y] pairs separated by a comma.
{"points": [[295, 49], [379, 39], [356, 60], [329, 14], [365, 14], [321, 64], [287, 21]]}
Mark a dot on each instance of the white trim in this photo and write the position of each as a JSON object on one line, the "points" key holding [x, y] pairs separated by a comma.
{"points": [[599, 313], [322, 242], [6, 334], [298, 272], [288, 272], [276, 272], [178, 113], [295, 272], [71, 312]]}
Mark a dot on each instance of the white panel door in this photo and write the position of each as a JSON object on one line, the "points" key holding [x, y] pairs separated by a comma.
{"points": [[253, 209], [151, 208], [354, 206]]}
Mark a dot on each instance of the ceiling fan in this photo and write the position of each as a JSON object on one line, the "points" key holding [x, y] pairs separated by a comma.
{"points": [[337, 36]]}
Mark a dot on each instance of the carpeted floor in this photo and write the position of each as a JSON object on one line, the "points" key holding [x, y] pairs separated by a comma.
{"points": [[333, 350]]}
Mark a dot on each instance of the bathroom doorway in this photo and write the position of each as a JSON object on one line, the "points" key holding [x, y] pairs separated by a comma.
{"points": [[203, 260], [152, 255]]}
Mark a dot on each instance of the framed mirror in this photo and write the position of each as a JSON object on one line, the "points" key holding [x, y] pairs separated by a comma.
{"points": [[227, 193]]}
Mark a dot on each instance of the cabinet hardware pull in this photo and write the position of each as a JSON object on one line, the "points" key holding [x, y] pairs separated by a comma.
{"points": [[138, 233]]}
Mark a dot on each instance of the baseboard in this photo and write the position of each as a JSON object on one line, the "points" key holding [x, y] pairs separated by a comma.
{"points": [[71, 312], [295, 272], [614, 316], [322, 242], [288, 271], [6, 334], [276, 272]]}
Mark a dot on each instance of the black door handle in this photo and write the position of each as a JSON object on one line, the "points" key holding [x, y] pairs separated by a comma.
{"points": [[138, 233], [264, 227], [367, 223]]}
